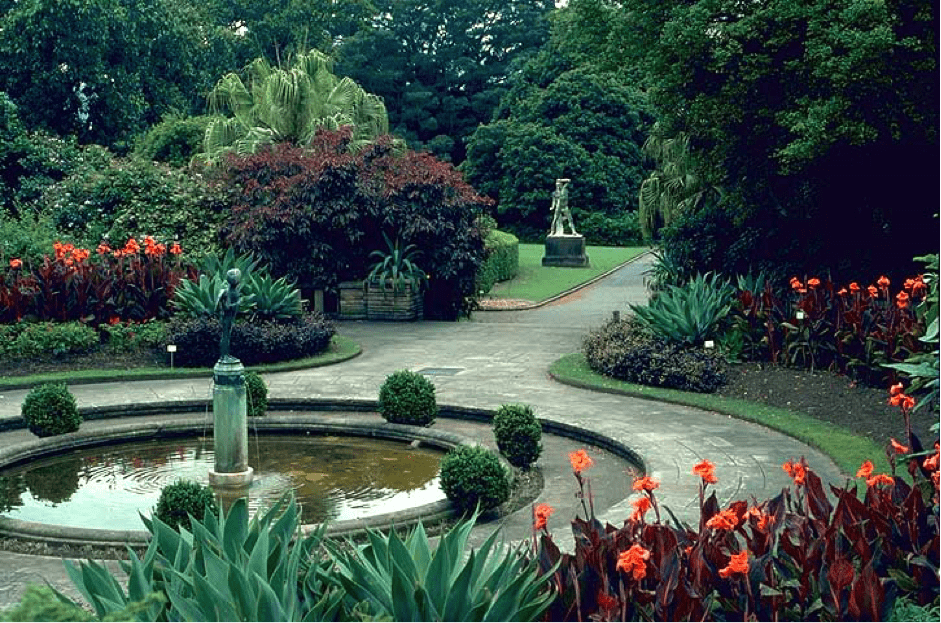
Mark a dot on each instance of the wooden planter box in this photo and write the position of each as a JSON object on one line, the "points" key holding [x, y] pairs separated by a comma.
{"points": [[405, 303], [351, 301]]}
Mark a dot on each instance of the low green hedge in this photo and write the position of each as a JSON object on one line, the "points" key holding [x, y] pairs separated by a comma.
{"points": [[502, 261]]}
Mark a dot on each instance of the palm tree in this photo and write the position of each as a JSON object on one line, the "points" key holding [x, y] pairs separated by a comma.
{"points": [[674, 186], [289, 105]]}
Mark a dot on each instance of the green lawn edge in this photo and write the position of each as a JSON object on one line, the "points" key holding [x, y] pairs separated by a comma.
{"points": [[341, 349], [847, 449], [540, 284]]}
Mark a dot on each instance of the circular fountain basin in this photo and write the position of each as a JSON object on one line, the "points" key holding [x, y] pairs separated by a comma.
{"points": [[89, 487], [332, 478]]}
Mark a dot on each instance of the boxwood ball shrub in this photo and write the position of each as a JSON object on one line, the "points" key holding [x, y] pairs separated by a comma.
{"points": [[180, 500], [408, 398], [472, 475], [518, 434], [256, 392], [50, 409]]}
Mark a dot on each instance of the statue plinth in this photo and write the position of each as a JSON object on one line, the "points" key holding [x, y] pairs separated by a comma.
{"points": [[230, 425], [565, 250]]}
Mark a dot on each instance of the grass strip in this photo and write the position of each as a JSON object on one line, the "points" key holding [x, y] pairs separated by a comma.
{"points": [[847, 449], [536, 282], [340, 349]]}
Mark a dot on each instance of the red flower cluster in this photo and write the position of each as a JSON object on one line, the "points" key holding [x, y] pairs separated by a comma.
{"points": [[580, 461], [634, 562], [542, 513], [706, 471], [738, 563], [796, 470]]}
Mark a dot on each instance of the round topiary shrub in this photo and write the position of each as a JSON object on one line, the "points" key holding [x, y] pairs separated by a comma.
{"points": [[408, 398], [180, 500], [472, 474], [50, 409], [256, 393], [518, 434]]}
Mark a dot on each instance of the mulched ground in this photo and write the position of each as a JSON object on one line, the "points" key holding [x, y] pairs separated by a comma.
{"points": [[827, 396]]}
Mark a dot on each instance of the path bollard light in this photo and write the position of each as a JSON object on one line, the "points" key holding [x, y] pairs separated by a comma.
{"points": [[616, 316], [171, 348], [709, 344], [800, 314]]}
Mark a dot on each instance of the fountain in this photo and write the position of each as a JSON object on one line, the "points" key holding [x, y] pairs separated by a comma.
{"points": [[229, 408]]}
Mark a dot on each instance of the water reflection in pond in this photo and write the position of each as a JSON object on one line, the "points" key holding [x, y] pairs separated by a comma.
{"points": [[334, 478]]}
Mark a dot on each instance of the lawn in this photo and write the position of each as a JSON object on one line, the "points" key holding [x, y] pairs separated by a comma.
{"points": [[536, 282]]}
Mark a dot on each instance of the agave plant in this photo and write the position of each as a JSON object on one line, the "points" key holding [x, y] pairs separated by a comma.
{"points": [[274, 298], [689, 314], [397, 266], [407, 581], [197, 299], [227, 569]]}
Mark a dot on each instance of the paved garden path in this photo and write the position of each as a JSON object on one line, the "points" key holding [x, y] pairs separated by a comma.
{"points": [[502, 357]]}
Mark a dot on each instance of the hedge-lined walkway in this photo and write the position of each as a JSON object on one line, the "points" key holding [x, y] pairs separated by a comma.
{"points": [[502, 357]]}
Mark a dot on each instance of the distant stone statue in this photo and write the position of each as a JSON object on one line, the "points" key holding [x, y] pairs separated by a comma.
{"points": [[227, 303], [560, 210]]}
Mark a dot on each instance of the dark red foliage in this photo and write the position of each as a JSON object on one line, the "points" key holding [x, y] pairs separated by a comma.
{"points": [[806, 558], [316, 213]]}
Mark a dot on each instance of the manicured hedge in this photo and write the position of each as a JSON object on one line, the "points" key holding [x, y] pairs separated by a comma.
{"points": [[502, 261]]}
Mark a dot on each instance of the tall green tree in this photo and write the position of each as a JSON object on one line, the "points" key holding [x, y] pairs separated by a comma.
{"points": [[819, 117], [102, 70], [276, 105], [441, 66]]}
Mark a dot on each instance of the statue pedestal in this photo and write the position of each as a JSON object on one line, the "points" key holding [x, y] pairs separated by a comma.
{"points": [[565, 251], [230, 425]]}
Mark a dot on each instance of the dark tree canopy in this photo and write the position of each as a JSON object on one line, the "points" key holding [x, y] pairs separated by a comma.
{"points": [[441, 66]]}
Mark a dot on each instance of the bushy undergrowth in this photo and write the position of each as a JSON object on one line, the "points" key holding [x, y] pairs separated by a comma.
{"points": [[472, 476], [256, 394], [408, 398], [24, 340], [197, 339], [50, 410], [631, 352]]}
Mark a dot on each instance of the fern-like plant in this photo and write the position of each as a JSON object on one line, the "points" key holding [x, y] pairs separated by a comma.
{"points": [[689, 314]]}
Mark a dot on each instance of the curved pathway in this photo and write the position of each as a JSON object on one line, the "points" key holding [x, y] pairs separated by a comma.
{"points": [[502, 357]]}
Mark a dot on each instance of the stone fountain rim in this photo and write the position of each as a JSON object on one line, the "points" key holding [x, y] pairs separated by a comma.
{"points": [[126, 429]]}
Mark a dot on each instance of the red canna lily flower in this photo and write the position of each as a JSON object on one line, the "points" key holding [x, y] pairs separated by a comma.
{"points": [[646, 484], [854, 287], [796, 471], [919, 287], [909, 284], [542, 513], [901, 299], [873, 292], [16, 263], [796, 284], [843, 292], [103, 249], [865, 470], [897, 447], [738, 563], [813, 282], [723, 520], [896, 389], [706, 471], [633, 561], [931, 463], [883, 282], [580, 461], [880, 479], [175, 249], [641, 506]]}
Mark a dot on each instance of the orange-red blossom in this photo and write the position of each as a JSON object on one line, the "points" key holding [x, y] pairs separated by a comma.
{"points": [[865, 470], [706, 470], [901, 299], [634, 561], [641, 506], [880, 479], [542, 513], [883, 282], [580, 461], [796, 471], [646, 484], [16, 263], [897, 447], [813, 282], [738, 563], [723, 520], [175, 249]]}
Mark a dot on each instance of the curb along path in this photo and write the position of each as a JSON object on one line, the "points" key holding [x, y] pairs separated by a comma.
{"points": [[503, 357]]}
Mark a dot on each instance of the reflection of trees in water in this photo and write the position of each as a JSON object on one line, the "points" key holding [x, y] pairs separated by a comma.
{"points": [[12, 489], [54, 483]]}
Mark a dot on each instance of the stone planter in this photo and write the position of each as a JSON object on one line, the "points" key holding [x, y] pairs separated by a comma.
{"points": [[404, 303], [351, 302]]}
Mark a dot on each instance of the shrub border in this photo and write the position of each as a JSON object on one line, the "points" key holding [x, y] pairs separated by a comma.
{"points": [[847, 449], [341, 349]]}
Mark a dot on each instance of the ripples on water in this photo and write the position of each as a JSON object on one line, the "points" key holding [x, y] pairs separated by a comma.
{"points": [[334, 478]]}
